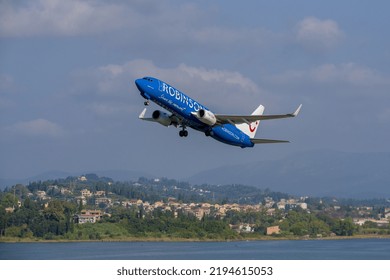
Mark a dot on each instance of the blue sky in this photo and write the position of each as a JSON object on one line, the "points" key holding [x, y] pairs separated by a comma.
{"points": [[67, 69]]}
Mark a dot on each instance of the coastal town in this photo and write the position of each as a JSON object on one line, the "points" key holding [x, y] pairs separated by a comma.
{"points": [[94, 200]]}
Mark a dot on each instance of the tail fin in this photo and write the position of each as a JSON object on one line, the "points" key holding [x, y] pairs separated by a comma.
{"points": [[251, 128]]}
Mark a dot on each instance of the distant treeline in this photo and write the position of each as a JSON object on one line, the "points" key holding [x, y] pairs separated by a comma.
{"points": [[155, 190]]}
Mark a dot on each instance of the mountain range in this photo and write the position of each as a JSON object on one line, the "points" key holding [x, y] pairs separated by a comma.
{"points": [[314, 173]]}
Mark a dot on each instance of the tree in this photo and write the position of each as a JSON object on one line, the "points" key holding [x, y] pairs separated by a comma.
{"points": [[8, 200], [344, 227], [3, 221], [302, 223]]}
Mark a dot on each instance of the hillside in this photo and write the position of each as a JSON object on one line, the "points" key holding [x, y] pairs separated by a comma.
{"points": [[117, 175]]}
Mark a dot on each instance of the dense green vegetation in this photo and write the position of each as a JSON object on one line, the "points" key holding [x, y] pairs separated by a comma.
{"points": [[56, 222], [33, 218]]}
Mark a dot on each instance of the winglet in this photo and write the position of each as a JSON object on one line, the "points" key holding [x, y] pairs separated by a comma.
{"points": [[297, 111], [142, 115]]}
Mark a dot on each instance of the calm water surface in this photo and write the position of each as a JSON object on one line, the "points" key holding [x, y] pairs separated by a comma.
{"points": [[352, 249]]}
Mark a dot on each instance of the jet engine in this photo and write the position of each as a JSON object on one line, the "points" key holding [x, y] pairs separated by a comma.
{"points": [[162, 118], [206, 117]]}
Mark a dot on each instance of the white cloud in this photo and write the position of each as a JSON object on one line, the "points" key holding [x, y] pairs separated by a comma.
{"points": [[56, 17], [83, 17], [208, 86], [111, 77], [233, 36], [351, 73], [38, 127], [220, 76], [172, 25], [345, 73], [316, 34]]}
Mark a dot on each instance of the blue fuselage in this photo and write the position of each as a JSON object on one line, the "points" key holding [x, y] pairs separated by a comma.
{"points": [[181, 105]]}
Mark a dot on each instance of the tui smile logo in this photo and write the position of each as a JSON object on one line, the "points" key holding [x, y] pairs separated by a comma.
{"points": [[252, 129]]}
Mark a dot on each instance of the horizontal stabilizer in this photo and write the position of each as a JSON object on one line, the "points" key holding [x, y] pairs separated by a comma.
{"points": [[142, 116], [160, 117], [268, 141]]}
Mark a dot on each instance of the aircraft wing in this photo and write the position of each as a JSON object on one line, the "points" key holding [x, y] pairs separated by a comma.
{"points": [[234, 119]]}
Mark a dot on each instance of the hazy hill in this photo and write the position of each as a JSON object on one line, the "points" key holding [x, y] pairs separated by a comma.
{"points": [[117, 175], [123, 175], [49, 175], [316, 173]]}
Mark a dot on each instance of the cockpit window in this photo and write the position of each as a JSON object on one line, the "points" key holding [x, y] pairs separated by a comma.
{"points": [[148, 79]]}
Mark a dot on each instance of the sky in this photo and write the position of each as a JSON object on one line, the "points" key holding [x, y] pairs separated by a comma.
{"points": [[67, 68]]}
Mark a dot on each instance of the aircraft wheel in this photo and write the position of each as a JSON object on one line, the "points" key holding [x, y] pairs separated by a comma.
{"points": [[146, 103], [183, 133]]}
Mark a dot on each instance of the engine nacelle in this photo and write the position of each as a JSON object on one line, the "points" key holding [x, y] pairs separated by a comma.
{"points": [[161, 118], [206, 117]]}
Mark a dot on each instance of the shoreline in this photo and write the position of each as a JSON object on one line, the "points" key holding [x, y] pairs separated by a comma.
{"points": [[167, 239]]}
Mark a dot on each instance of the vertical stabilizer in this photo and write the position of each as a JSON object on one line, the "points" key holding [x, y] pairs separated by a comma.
{"points": [[251, 128]]}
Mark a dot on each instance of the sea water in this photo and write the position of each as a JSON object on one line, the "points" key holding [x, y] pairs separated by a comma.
{"points": [[347, 249]]}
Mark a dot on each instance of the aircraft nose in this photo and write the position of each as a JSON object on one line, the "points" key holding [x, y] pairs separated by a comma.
{"points": [[139, 83]]}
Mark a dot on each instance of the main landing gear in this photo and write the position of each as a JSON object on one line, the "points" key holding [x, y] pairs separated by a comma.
{"points": [[208, 133], [183, 132]]}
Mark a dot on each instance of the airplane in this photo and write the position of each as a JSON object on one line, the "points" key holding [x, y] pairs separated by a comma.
{"points": [[236, 130]]}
